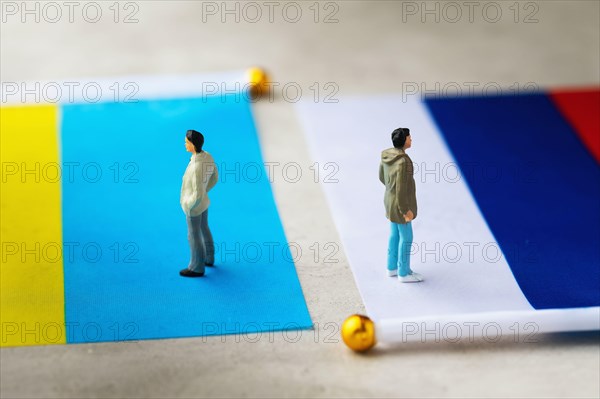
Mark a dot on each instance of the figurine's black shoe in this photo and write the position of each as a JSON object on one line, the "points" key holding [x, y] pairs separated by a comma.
{"points": [[190, 273], [209, 264]]}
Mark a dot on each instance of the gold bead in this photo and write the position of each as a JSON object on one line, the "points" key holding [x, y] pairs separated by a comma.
{"points": [[259, 82], [358, 332]]}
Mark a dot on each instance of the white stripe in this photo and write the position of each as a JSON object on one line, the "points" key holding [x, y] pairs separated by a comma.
{"points": [[521, 325], [122, 88], [352, 134]]}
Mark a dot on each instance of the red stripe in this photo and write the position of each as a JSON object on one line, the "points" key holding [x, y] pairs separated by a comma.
{"points": [[582, 109]]}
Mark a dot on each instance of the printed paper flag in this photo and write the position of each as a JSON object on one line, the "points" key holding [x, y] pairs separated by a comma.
{"points": [[93, 253], [508, 191]]}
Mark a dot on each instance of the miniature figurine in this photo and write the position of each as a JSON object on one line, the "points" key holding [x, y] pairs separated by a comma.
{"points": [[396, 172], [200, 176]]}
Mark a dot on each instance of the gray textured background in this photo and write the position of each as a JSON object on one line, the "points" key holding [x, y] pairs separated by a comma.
{"points": [[373, 48]]}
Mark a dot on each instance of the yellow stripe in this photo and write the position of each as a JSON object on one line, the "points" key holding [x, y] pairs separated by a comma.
{"points": [[32, 304]]}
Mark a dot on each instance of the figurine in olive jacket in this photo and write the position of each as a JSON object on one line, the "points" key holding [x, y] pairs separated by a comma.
{"points": [[400, 200]]}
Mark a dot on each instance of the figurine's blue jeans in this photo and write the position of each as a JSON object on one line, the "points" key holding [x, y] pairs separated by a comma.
{"points": [[401, 239], [202, 247]]}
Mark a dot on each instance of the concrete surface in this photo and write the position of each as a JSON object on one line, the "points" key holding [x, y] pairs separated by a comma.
{"points": [[373, 48]]}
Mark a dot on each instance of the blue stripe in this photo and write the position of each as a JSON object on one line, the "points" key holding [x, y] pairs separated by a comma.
{"points": [[537, 187], [133, 290]]}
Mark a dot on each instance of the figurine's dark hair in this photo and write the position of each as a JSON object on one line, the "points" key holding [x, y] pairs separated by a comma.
{"points": [[399, 137], [196, 138]]}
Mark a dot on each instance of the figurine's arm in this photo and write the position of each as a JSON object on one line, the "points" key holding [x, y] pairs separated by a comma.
{"points": [[381, 177], [196, 196], [402, 188], [214, 177]]}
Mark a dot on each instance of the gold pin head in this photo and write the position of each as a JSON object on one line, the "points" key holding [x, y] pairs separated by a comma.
{"points": [[259, 81], [358, 332]]}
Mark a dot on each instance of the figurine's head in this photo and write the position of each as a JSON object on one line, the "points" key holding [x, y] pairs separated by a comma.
{"points": [[194, 141], [401, 138]]}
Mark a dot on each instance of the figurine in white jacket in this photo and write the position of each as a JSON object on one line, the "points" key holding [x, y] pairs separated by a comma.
{"points": [[200, 176]]}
